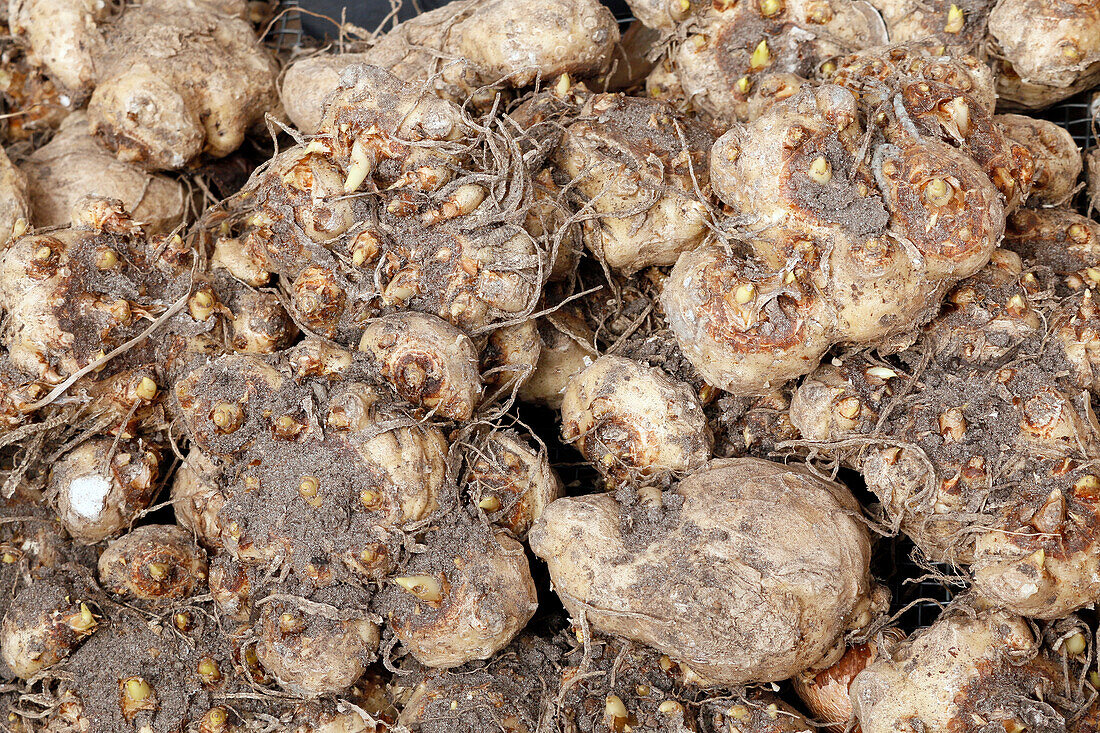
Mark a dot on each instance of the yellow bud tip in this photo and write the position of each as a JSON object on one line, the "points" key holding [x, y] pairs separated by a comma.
{"points": [[937, 192], [744, 85], [309, 486], [614, 707], [226, 415], [881, 373], [563, 86], [137, 689], [209, 668], [768, 8], [43, 253], [289, 623], [744, 293], [85, 620], [849, 408], [820, 170], [424, 587], [203, 299], [669, 707], [106, 259], [760, 56], [158, 570], [489, 504], [955, 20], [146, 389], [1078, 233], [216, 718], [9, 558], [1076, 644], [369, 498]]}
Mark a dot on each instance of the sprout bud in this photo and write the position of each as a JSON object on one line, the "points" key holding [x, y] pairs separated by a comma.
{"points": [[1076, 644], [424, 587], [761, 56], [227, 416], [820, 170], [146, 389], [106, 259], [955, 20]]}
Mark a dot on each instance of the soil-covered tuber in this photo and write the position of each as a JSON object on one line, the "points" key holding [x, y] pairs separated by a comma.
{"points": [[1047, 50], [467, 49], [855, 215], [633, 421], [465, 600], [975, 664], [751, 571], [73, 165], [982, 451]]}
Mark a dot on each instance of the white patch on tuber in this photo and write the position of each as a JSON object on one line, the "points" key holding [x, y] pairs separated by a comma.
{"points": [[88, 495]]}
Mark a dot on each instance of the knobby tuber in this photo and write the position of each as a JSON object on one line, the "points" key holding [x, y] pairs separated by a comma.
{"points": [[468, 49], [720, 610]]}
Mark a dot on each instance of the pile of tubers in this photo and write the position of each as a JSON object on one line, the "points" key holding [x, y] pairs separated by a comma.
{"points": [[518, 368]]}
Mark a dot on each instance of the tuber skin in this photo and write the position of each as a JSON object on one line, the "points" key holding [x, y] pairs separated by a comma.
{"points": [[699, 614], [73, 165], [311, 655], [345, 474], [1047, 51], [96, 500], [415, 238], [826, 693], [1092, 173], [508, 480], [198, 499], [466, 46], [633, 422], [148, 59], [464, 600], [16, 217], [61, 36], [141, 64], [566, 350], [427, 361], [158, 563], [972, 663], [1057, 159], [838, 248], [641, 167], [1006, 370], [510, 357], [727, 51]]}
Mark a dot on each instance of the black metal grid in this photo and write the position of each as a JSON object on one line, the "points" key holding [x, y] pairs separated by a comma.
{"points": [[894, 557], [286, 32]]}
